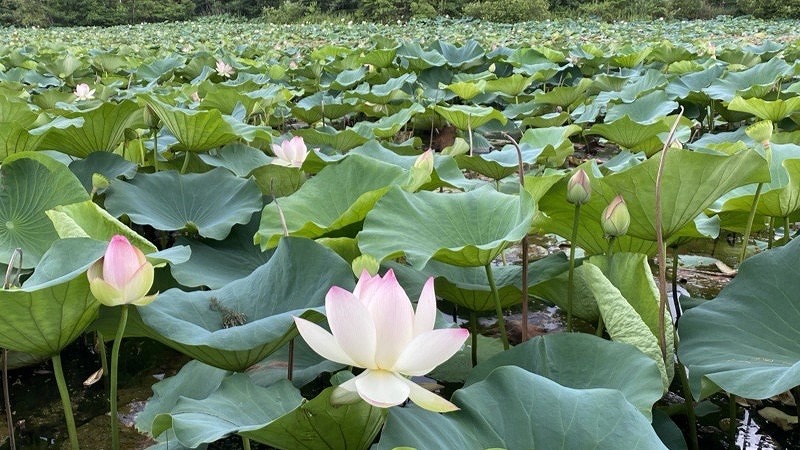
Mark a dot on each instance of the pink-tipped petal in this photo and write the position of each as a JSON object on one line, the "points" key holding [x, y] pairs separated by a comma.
{"points": [[425, 316], [322, 342], [121, 261], [139, 284], [381, 388], [352, 326], [428, 400], [393, 316], [366, 285], [430, 349]]}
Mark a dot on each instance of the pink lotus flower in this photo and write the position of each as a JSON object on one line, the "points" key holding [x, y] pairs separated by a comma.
{"points": [[123, 276], [290, 153], [83, 92], [375, 327], [224, 69]]}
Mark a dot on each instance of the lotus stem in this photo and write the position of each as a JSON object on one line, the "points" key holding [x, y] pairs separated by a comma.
{"points": [[771, 233], [245, 443], [155, 150], [469, 131], [290, 361], [473, 330], [600, 327], [571, 277], [123, 321], [675, 302], [101, 348], [732, 419], [501, 322], [7, 401], [785, 230], [58, 371], [524, 243], [688, 405], [749, 227], [185, 163], [795, 391]]}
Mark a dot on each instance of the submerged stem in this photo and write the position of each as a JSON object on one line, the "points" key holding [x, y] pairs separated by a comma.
{"points": [[58, 371], [688, 405], [732, 418], [501, 322], [7, 401], [473, 330], [101, 348], [123, 321], [571, 277], [749, 227]]}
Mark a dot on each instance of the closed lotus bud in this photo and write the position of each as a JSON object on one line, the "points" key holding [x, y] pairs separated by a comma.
{"points": [[760, 132], [131, 134], [579, 188], [425, 161], [615, 218], [150, 117]]}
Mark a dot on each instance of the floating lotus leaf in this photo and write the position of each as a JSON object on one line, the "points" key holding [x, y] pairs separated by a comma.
{"points": [[464, 229], [257, 310], [747, 340], [32, 183], [499, 164], [103, 129], [527, 411], [171, 201], [627, 296], [339, 196], [563, 358]]}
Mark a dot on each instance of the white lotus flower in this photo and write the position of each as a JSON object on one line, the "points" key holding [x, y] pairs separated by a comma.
{"points": [[83, 92], [291, 152], [224, 69], [375, 327]]}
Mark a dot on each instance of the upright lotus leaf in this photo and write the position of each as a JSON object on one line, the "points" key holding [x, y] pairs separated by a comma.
{"points": [[554, 290], [564, 357], [347, 427], [393, 90], [412, 56], [499, 164], [31, 184], [774, 110], [627, 297], [313, 108], [465, 89], [647, 109], [631, 134], [307, 365], [630, 57], [339, 196], [216, 263], [527, 411], [690, 86], [466, 117], [348, 78], [257, 310], [388, 126], [239, 158], [103, 129], [756, 81], [686, 191], [512, 86], [195, 130], [278, 181], [64, 260], [87, 219], [463, 229], [45, 320], [160, 69], [554, 143], [237, 406], [747, 340], [468, 55], [564, 96], [339, 140], [110, 165], [207, 203]]}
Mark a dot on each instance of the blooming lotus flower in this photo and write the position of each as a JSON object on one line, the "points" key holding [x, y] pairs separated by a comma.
{"points": [[290, 153], [123, 276], [83, 92], [376, 327], [224, 69]]}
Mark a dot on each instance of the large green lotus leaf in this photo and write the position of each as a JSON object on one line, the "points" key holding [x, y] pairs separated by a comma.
{"points": [[31, 184], [686, 191], [756, 81], [774, 110], [216, 263], [747, 340], [266, 300], [469, 287], [468, 55], [86, 219], [388, 126], [339, 196], [313, 108], [239, 158], [463, 229], [627, 297], [645, 110], [318, 423], [306, 366], [516, 409], [499, 164], [564, 357], [195, 130], [15, 138], [45, 320], [465, 89], [564, 96], [384, 93], [278, 181], [103, 129], [466, 116], [237, 406], [630, 134], [554, 142], [630, 57], [413, 57], [555, 289], [209, 203], [160, 69], [341, 141], [512, 86], [110, 165], [690, 86]]}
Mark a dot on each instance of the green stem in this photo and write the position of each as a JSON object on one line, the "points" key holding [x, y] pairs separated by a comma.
{"points": [[771, 233], [501, 322], [155, 150], [689, 405], [290, 361], [123, 320], [749, 227], [469, 130], [600, 326], [732, 418], [570, 280], [785, 230], [245, 443], [101, 348], [185, 163], [675, 258], [473, 330], [58, 371], [7, 402]]}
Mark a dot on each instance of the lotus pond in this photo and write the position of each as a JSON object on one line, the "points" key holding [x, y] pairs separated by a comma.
{"points": [[268, 181]]}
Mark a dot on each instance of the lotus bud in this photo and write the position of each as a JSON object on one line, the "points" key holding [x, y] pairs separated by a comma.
{"points": [[99, 183], [365, 263], [579, 188], [425, 161], [420, 172], [131, 134], [760, 132], [615, 218], [150, 117], [123, 276]]}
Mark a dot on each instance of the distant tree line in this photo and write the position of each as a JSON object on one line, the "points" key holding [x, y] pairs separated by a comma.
{"points": [[45, 13]]}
